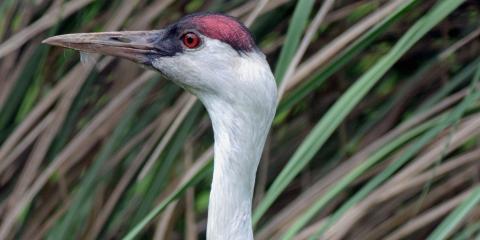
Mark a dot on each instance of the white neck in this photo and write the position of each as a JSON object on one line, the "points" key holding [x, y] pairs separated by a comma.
{"points": [[241, 116], [239, 140], [240, 96]]}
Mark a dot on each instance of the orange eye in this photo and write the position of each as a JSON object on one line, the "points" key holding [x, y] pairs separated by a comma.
{"points": [[191, 40]]}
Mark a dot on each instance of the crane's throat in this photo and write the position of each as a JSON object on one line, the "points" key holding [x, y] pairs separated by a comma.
{"points": [[239, 140]]}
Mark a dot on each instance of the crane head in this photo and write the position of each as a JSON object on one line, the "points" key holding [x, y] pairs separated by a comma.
{"points": [[206, 53]]}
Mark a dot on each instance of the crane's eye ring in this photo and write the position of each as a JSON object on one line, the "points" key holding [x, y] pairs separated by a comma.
{"points": [[191, 40]]}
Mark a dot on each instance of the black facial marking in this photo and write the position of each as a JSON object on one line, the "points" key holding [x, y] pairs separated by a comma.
{"points": [[167, 43]]}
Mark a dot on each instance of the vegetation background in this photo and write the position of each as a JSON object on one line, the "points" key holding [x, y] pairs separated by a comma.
{"points": [[376, 134]]}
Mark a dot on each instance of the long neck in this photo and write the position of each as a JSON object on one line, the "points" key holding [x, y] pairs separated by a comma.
{"points": [[240, 135]]}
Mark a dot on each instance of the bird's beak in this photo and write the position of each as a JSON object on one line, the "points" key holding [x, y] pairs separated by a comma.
{"points": [[137, 46]]}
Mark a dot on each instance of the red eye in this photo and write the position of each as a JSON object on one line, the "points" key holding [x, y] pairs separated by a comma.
{"points": [[191, 40]]}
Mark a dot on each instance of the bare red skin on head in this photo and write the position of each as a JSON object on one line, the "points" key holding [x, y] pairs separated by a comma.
{"points": [[225, 29]]}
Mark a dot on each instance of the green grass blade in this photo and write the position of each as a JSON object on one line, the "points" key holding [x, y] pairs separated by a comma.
{"points": [[156, 180], [343, 183], [4, 6], [72, 223], [468, 231], [73, 114], [19, 92], [448, 120], [337, 113], [200, 174], [294, 33], [456, 81], [454, 218], [341, 60]]}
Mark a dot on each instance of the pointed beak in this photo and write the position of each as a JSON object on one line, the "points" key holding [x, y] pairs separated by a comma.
{"points": [[137, 46]]}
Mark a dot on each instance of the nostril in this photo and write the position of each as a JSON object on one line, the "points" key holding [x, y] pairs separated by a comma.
{"points": [[120, 39]]}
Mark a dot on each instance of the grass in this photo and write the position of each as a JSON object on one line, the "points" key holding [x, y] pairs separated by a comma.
{"points": [[375, 135]]}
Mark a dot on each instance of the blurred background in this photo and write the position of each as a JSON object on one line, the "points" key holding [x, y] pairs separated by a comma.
{"points": [[376, 134]]}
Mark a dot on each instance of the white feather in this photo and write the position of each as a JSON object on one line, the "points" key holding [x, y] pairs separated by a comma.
{"points": [[87, 59], [239, 93]]}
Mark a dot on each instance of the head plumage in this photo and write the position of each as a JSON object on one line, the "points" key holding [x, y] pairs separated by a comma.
{"points": [[221, 27]]}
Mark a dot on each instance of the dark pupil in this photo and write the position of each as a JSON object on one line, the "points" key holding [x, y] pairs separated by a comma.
{"points": [[189, 39]]}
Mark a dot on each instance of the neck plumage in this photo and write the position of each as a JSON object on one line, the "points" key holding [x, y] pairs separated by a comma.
{"points": [[240, 134]]}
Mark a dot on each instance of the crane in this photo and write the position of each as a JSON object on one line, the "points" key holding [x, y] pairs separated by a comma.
{"points": [[214, 57]]}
